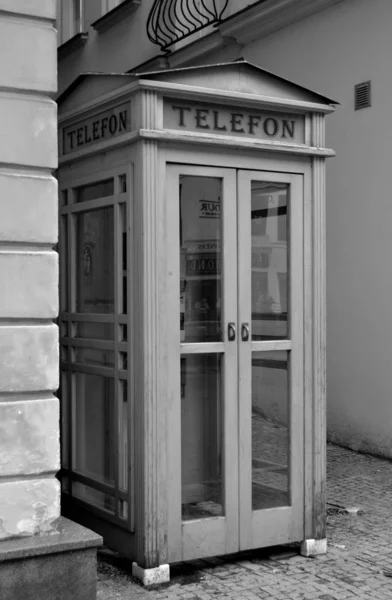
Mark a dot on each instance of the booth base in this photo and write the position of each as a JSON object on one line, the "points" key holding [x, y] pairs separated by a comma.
{"points": [[61, 565], [313, 547], [157, 575]]}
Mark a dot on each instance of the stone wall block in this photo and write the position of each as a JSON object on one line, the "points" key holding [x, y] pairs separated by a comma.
{"points": [[28, 209], [32, 284], [28, 507], [29, 434], [23, 68], [30, 8], [34, 141], [28, 358]]}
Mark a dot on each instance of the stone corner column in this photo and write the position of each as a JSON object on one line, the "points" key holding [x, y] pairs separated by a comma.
{"points": [[29, 410]]}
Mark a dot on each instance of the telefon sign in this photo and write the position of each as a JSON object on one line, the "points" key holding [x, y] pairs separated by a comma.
{"points": [[222, 120]]}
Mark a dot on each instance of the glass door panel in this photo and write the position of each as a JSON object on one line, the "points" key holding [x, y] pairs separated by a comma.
{"points": [[200, 258], [201, 436], [270, 357], [270, 430], [269, 235], [204, 506], [237, 385]]}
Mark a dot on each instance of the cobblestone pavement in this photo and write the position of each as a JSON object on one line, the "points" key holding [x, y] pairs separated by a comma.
{"points": [[359, 551]]}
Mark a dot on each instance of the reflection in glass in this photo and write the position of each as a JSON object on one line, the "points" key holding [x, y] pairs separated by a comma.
{"points": [[63, 255], [201, 436], [92, 191], [200, 259], [94, 423], [123, 183], [92, 496], [65, 421], [270, 430], [100, 358], [123, 436], [95, 261], [94, 331], [269, 226], [124, 261]]}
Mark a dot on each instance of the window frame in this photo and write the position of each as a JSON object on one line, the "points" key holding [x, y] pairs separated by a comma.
{"points": [[70, 19]]}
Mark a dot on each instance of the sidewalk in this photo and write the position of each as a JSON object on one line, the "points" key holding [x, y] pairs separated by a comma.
{"points": [[359, 550]]}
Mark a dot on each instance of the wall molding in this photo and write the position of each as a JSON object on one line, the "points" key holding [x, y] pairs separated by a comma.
{"points": [[262, 19]]}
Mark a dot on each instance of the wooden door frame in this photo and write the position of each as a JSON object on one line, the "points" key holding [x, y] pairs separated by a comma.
{"points": [[216, 535], [286, 523]]}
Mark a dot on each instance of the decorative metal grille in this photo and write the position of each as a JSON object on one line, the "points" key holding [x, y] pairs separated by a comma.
{"points": [[173, 20]]}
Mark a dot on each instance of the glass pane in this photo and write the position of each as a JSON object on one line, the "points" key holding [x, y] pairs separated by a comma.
{"points": [[64, 329], [270, 430], [200, 259], [123, 437], [99, 358], [123, 509], [201, 436], [65, 428], [63, 255], [64, 484], [64, 353], [93, 410], [92, 191], [269, 226], [123, 361], [124, 259], [95, 331], [95, 255], [92, 496], [123, 183]]}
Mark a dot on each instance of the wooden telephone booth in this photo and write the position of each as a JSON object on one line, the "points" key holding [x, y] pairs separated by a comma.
{"points": [[193, 311]]}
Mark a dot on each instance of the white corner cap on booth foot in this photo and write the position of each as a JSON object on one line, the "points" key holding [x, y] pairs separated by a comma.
{"points": [[313, 547], [153, 576]]}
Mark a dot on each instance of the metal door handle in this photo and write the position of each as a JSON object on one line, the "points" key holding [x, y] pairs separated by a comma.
{"points": [[231, 332], [245, 332]]}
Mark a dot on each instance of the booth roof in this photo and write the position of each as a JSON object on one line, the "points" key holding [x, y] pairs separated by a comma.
{"points": [[239, 64]]}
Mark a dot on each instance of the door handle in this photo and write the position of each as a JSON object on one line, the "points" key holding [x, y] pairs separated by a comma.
{"points": [[245, 332], [231, 332]]}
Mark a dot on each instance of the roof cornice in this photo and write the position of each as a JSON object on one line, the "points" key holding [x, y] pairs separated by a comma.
{"points": [[263, 18]]}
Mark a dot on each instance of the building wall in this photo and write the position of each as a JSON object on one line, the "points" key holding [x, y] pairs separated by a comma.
{"points": [[121, 47], [330, 52], [29, 412]]}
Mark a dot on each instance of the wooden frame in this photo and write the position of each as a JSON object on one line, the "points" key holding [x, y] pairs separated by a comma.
{"points": [[69, 319], [269, 526], [289, 524], [216, 534], [153, 532]]}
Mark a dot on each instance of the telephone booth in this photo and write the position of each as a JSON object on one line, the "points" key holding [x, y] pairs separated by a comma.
{"points": [[192, 323]]}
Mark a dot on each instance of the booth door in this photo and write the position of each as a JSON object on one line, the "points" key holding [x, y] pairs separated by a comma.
{"points": [[270, 365], [236, 387]]}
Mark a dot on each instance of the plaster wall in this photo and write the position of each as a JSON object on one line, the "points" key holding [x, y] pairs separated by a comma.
{"points": [[29, 412], [123, 46], [117, 49], [330, 52]]}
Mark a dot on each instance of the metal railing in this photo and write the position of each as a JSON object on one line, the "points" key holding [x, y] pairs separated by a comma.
{"points": [[170, 21]]}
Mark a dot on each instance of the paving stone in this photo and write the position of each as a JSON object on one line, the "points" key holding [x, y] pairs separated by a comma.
{"points": [[359, 549]]}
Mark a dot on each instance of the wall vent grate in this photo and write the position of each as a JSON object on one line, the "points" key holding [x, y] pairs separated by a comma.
{"points": [[362, 95]]}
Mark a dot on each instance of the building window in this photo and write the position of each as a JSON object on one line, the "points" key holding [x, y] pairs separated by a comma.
{"points": [[69, 19], [108, 5]]}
